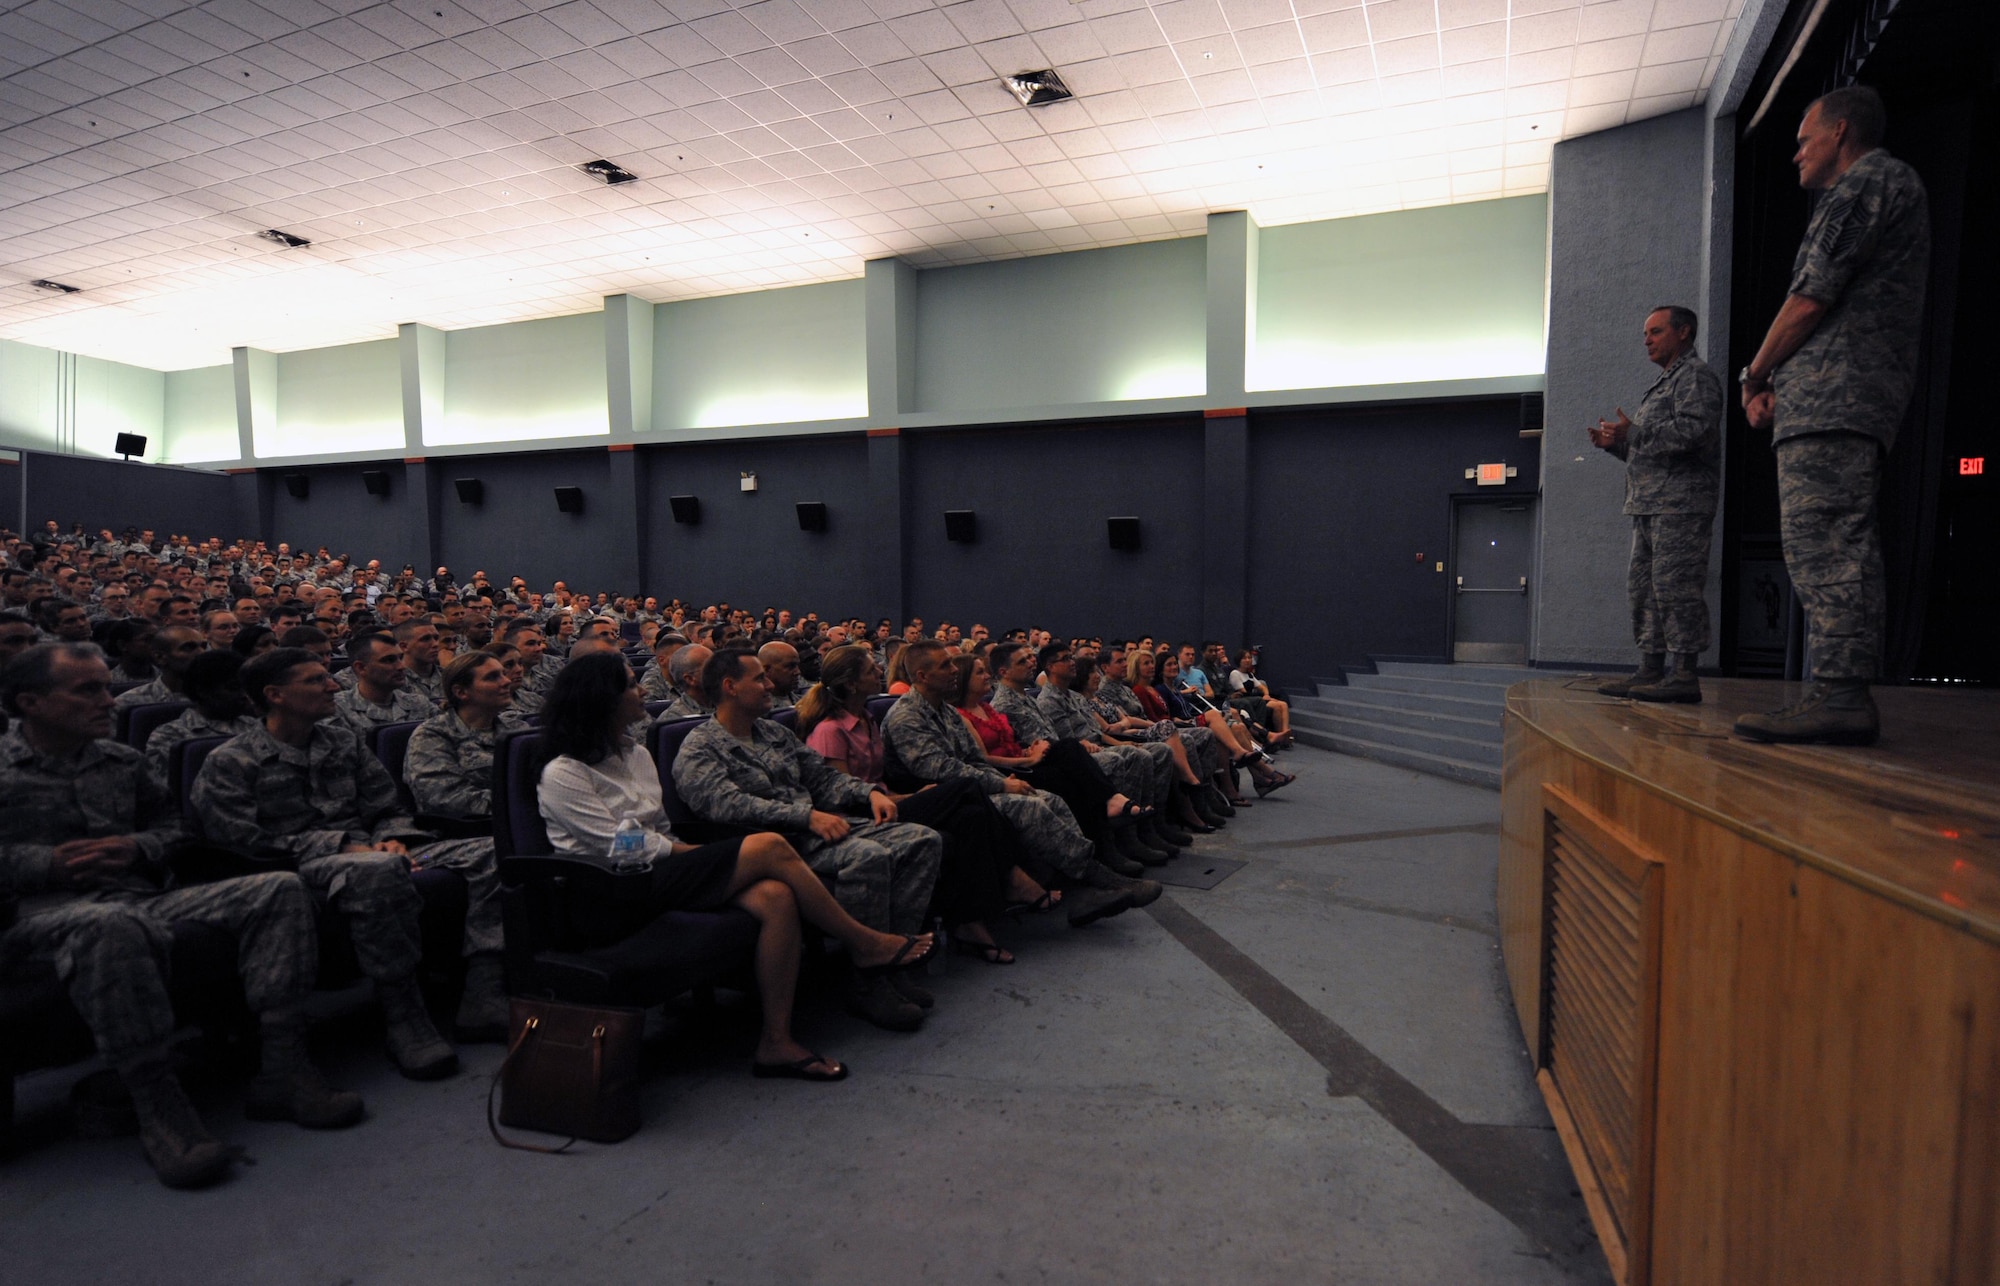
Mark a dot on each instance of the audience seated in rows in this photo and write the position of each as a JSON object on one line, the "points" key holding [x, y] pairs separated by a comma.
{"points": [[986, 789]]}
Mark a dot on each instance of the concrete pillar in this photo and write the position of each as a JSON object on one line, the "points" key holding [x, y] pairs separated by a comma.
{"points": [[886, 558], [891, 306], [1232, 304]]}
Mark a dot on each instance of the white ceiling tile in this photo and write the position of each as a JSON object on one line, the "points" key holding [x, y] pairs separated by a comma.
{"points": [[1614, 18], [1678, 44], [1671, 78], [892, 135]]}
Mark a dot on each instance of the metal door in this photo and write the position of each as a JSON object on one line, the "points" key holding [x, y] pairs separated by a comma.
{"points": [[1492, 551]]}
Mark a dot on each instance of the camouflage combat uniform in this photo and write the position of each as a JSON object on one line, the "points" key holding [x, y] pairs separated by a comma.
{"points": [[191, 724], [1840, 399], [303, 804], [152, 693], [1673, 470], [683, 707], [934, 744], [882, 872], [432, 686], [449, 765], [1130, 768], [1148, 765], [655, 684], [109, 946], [359, 714]]}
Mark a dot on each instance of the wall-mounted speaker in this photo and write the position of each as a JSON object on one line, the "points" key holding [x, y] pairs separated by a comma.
{"points": [[812, 515], [130, 444], [376, 480], [960, 526], [1124, 533], [569, 499], [1531, 412], [298, 485], [470, 490], [687, 509]]}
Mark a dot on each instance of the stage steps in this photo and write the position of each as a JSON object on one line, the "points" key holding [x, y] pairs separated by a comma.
{"points": [[1440, 719]]}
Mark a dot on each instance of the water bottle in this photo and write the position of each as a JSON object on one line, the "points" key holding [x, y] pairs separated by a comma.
{"points": [[628, 847]]}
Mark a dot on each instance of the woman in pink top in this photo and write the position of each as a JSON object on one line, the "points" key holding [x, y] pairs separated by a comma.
{"points": [[982, 874]]}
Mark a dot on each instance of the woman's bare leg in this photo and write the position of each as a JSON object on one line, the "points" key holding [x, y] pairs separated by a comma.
{"points": [[767, 856], [777, 914], [1179, 749]]}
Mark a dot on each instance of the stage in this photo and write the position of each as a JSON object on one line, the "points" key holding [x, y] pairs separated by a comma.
{"points": [[1762, 983]]}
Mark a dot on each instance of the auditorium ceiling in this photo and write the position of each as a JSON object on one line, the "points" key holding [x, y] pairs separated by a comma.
{"points": [[429, 149]]}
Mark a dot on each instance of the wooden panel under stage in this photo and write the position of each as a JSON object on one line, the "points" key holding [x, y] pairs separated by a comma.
{"points": [[1762, 983]]}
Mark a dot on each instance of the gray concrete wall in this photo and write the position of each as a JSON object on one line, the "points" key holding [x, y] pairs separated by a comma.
{"points": [[1627, 213]]}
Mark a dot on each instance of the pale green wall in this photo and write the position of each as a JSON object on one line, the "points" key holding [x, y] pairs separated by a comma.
{"points": [[524, 380], [28, 396], [200, 416], [113, 398], [99, 400], [772, 357], [348, 398], [1089, 326], [1451, 292]]}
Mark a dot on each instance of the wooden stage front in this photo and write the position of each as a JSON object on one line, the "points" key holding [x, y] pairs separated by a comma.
{"points": [[1762, 984]]}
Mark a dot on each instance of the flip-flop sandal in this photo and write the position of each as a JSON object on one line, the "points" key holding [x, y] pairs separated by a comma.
{"points": [[1048, 901], [902, 959], [802, 1070], [991, 952]]}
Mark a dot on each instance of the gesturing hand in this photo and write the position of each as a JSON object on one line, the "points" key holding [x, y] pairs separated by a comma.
{"points": [[1609, 435]]}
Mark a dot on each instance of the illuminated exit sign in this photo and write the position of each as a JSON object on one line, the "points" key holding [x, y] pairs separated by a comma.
{"points": [[1971, 466], [1491, 475]]}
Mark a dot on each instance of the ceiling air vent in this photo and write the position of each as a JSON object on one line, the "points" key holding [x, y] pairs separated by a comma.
{"points": [[1034, 88], [56, 286], [610, 171], [285, 239]]}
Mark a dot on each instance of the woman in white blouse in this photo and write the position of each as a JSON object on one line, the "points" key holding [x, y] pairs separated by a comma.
{"points": [[597, 776]]}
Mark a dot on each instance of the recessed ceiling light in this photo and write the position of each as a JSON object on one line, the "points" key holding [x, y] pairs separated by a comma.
{"points": [[611, 172], [1035, 88], [56, 286], [285, 239]]}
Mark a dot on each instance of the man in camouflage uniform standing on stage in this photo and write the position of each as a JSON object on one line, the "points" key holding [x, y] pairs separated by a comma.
{"points": [[1834, 376], [1673, 470]]}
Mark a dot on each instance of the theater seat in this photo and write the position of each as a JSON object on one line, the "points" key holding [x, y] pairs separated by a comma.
{"points": [[441, 920], [133, 724], [663, 742], [787, 718], [879, 706], [566, 935], [391, 744]]}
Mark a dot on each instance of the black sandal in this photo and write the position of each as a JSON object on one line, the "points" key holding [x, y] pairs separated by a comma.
{"points": [[1048, 901], [991, 952], [901, 960], [802, 1070]]}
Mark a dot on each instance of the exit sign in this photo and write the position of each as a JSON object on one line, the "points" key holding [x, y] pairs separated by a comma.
{"points": [[1971, 466]]}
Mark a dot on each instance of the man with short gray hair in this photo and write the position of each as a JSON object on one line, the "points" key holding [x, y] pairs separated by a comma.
{"points": [[684, 673], [1832, 380], [1673, 472]]}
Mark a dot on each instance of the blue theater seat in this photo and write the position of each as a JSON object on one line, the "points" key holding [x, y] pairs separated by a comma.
{"points": [[570, 934]]}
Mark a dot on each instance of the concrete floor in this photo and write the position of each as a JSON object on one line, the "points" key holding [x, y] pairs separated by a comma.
{"points": [[1307, 1074]]}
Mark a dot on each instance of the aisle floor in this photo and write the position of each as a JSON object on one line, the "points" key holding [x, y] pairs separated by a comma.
{"points": [[1309, 1073]]}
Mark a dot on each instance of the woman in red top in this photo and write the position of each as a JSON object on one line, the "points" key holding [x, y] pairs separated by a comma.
{"points": [[981, 874], [1063, 768]]}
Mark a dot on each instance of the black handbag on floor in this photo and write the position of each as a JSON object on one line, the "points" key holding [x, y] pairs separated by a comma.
{"points": [[570, 1069]]}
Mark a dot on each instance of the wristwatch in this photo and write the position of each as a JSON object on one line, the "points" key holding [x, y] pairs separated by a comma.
{"points": [[1749, 378]]}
